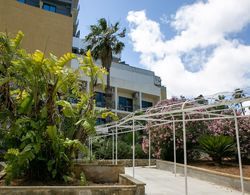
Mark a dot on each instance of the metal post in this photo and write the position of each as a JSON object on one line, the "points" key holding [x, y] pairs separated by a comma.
{"points": [[116, 151], [184, 148], [149, 148], [239, 153], [113, 148], [133, 146], [89, 150], [174, 147]]}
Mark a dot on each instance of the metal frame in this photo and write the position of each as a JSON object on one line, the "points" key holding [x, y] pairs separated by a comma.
{"points": [[172, 114]]}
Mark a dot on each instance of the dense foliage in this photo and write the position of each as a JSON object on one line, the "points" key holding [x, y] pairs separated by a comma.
{"points": [[217, 147], [162, 135], [41, 129], [102, 147]]}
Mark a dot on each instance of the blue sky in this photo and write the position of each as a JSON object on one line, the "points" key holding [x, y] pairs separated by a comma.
{"points": [[113, 10], [196, 47]]}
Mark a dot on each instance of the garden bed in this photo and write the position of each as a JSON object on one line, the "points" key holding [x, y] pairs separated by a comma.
{"points": [[227, 167], [213, 176], [101, 179], [124, 162]]}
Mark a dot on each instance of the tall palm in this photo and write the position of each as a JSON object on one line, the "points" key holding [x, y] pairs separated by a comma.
{"points": [[103, 41]]}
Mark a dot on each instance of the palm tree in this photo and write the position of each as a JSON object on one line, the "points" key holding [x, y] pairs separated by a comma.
{"points": [[103, 41]]}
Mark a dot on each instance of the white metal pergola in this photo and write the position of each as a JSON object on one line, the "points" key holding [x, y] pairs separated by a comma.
{"points": [[178, 113]]}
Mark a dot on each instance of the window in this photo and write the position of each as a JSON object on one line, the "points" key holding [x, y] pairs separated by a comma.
{"points": [[21, 1], [49, 7], [100, 99], [146, 104], [100, 121], [125, 104], [34, 3]]}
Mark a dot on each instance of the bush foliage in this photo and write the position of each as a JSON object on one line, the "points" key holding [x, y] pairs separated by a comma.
{"points": [[41, 130]]}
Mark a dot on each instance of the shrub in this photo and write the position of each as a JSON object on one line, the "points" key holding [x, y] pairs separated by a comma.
{"points": [[162, 135], [102, 147], [217, 147], [35, 111], [227, 127]]}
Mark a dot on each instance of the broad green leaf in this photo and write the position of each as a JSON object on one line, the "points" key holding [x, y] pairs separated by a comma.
{"points": [[26, 105], [52, 132], [67, 108]]}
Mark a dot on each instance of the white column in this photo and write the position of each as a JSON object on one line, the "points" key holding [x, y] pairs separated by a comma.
{"points": [[89, 150], [174, 147], [140, 99], [113, 148], [149, 147], [116, 99], [133, 146], [91, 141], [184, 148], [116, 144], [239, 154]]}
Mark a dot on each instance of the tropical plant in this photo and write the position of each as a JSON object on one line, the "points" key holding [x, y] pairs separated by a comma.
{"points": [[103, 41], [83, 180], [102, 147], [226, 127], [217, 147], [35, 108]]}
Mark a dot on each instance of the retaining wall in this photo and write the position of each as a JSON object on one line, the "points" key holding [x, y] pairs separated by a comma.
{"points": [[129, 162], [99, 173], [120, 184], [216, 177]]}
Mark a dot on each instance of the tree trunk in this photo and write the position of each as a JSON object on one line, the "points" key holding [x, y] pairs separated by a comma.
{"points": [[106, 59], [108, 92]]}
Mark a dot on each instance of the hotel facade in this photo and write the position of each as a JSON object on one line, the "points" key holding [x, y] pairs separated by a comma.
{"points": [[52, 26]]}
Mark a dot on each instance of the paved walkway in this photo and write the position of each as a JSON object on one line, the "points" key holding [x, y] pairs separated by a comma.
{"points": [[159, 182]]}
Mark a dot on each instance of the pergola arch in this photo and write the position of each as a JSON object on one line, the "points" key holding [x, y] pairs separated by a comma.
{"points": [[177, 113]]}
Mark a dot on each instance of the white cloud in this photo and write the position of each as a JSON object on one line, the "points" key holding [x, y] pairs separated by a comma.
{"points": [[200, 58]]}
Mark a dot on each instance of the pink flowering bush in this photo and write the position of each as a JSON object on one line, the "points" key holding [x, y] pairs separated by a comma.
{"points": [[162, 135], [227, 127]]}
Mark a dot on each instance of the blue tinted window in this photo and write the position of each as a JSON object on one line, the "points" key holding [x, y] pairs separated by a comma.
{"points": [[146, 104], [125, 104], [48, 7], [21, 1], [100, 99], [100, 121]]}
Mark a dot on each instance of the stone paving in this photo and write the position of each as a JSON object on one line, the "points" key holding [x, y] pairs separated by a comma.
{"points": [[159, 182]]}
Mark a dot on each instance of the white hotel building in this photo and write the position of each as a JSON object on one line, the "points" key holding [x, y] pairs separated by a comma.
{"points": [[133, 88]]}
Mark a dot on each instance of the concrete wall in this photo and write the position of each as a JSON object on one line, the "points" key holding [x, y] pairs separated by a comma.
{"points": [[124, 184], [69, 190], [136, 79], [42, 29], [163, 93], [99, 173], [128, 180], [128, 162], [218, 178], [127, 186], [131, 78]]}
